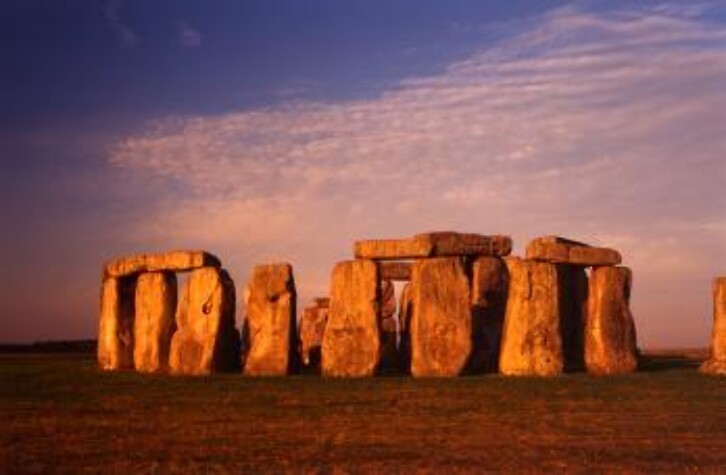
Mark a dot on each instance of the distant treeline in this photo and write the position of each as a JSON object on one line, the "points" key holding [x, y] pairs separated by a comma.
{"points": [[61, 346]]}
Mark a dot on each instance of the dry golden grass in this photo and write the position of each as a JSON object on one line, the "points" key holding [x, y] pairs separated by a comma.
{"points": [[61, 415]]}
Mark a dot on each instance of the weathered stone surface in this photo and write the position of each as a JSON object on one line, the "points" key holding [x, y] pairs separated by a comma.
{"points": [[437, 244], [206, 340], [610, 341], [564, 251], [488, 299], [154, 321], [395, 270], [574, 288], [440, 328], [116, 324], [531, 343], [389, 326], [352, 340], [716, 363], [322, 302], [270, 324], [173, 261], [404, 324], [312, 329]]}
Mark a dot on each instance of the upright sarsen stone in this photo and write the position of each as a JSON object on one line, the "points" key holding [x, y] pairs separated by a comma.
{"points": [[531, 342], [610, 341], [154, 321], [716, 363], [352, 340], [488, 300], [116, 323], [312, 329], [206, 340], [389, 326], [270, 325], [440, 329], [404, 326]]}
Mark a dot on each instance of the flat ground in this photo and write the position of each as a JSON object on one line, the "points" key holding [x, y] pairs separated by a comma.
{"points": [[60, 414]]}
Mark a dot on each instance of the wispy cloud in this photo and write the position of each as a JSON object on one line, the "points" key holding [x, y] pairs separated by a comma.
{"points": [[189, 37], [590, 124], [125, 36]]}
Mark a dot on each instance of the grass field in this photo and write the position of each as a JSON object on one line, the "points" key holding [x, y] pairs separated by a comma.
{"points": [[59, 414]]}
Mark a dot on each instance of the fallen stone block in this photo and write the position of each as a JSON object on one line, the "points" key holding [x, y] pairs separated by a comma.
{"points": [[154, 325], [531, 343], [270, 324], [206, 340], [436, 244], [173, 261], [440, 328], [559, 250], [716, 362], [116, 324], [352, 340], [610, 341]]}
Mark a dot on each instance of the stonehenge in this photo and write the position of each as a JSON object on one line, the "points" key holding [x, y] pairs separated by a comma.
{"points": [[716, 362], [437, 304]]}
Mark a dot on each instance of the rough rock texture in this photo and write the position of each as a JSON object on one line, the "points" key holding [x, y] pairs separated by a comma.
{"points": [[389, 326], [565, 251], [488, 300], [173, 261], [206, 340], [312, 329], [716, 363], [531, 343], [154, 321], [610, 342], [395, 270], [322, 302], [440, 328], [437, 244], [404, 326], [116, 324], [270, 324], [573, 311], [352, 340]]}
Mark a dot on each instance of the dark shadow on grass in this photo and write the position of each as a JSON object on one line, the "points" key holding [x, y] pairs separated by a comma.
{"points": [[653, 363]]}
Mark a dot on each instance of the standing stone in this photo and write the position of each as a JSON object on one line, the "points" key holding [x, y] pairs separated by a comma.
{"points": [[573, 312], [610, 342], [404, 322], [312, 329], [489, 301], [441, 338], [352, 340], [154, 320], [206, 340], [116, 323], [389, 326], [531, 343], [716, 363], [270, 322]]}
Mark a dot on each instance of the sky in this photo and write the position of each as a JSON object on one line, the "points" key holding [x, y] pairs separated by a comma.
{"points": [[283, 130]]}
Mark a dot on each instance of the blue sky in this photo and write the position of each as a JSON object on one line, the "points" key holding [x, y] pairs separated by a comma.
{"points": [[284, 130]]}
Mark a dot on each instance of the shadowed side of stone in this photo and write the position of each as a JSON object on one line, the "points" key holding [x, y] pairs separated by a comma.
{"points": [[154, 325], [404, 324], [312, 329], [489, 280], [116, 323], [559, 250], [440, 328], [573, 311], [206, 340], [531, 342], [389, 326], [173, 261], [436, 244], [352, 340], [610, 340], [270, 324], [716, 362]]}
